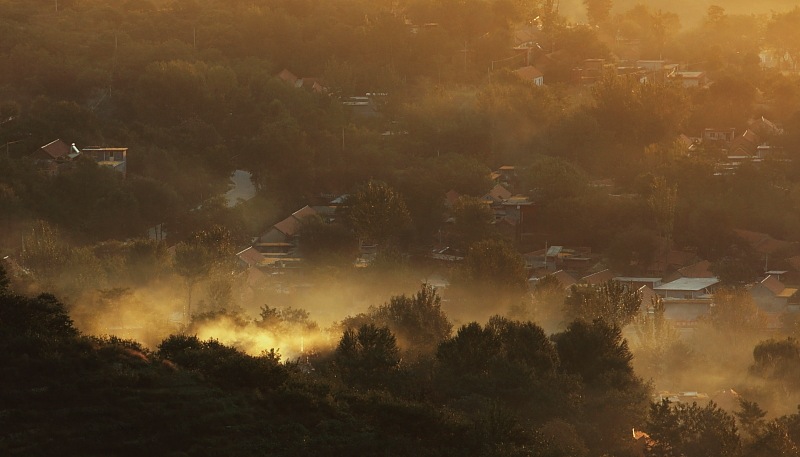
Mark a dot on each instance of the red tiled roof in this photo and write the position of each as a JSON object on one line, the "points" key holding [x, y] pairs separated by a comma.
{"points": [[762, 242], [773, 284], [56, 149], [251, 257], [599, 277], [564, 278], [675, 259], [288, 77], [304, 212], [291, 224], [528, 73], [746, 144], [499, 192], [288, 226]]}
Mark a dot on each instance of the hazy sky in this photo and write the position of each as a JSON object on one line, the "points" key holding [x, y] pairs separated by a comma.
{"points": [[691, 11]]}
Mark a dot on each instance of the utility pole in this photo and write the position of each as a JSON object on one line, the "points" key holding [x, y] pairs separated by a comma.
{"points": [[113, 66], [465, 50]]}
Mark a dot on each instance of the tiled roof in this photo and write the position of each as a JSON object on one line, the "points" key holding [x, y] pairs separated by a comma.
{"points": [[528, 73], [56, 149], [498, 193], [288, 77], [762, 242], [773, 284], [598, 278], [291, 224], [251, 257], [564, 278]]}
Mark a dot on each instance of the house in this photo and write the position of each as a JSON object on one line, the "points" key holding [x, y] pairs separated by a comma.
{"points": [[51, 157], [54, 150], [651, 65], [666, 260], [765, 128], [762, 242], [724, 135], [58, 155], [687, 144], [314, 85], [690, 78], [362, 106], [648, 295], [745, 145], [598, 278], [638, 282], [497, 195], [114, 158], [771, 295], [639, 74], [685, 313], [250, 257], [687, 288], [285, 230], [531, 74], [519, 208], [507, 172], [289, 78], [564, 278], [311, 84]]}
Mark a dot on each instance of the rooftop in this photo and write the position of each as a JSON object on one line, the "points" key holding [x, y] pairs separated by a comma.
{"points": [[689, 284]]}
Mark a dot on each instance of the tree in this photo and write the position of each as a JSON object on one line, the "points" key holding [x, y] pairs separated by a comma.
{"points": [[661, 201], [614, 398], [611, 301], [598, 11], [376, 213], [4, 281], [547, 299], [495, 264], [596, 352], [751, 418], [783, 32], [778, 361], [193, 261], [42, 318], [511, 361], [683, 430], [418, 320], [658, 346], [780, 436], [552, 178], [43, 251], [206, 252], [223, 364], [736, 316], [285, 320], [650, 112], [473, 221], [367, 357], [327, 244]]}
